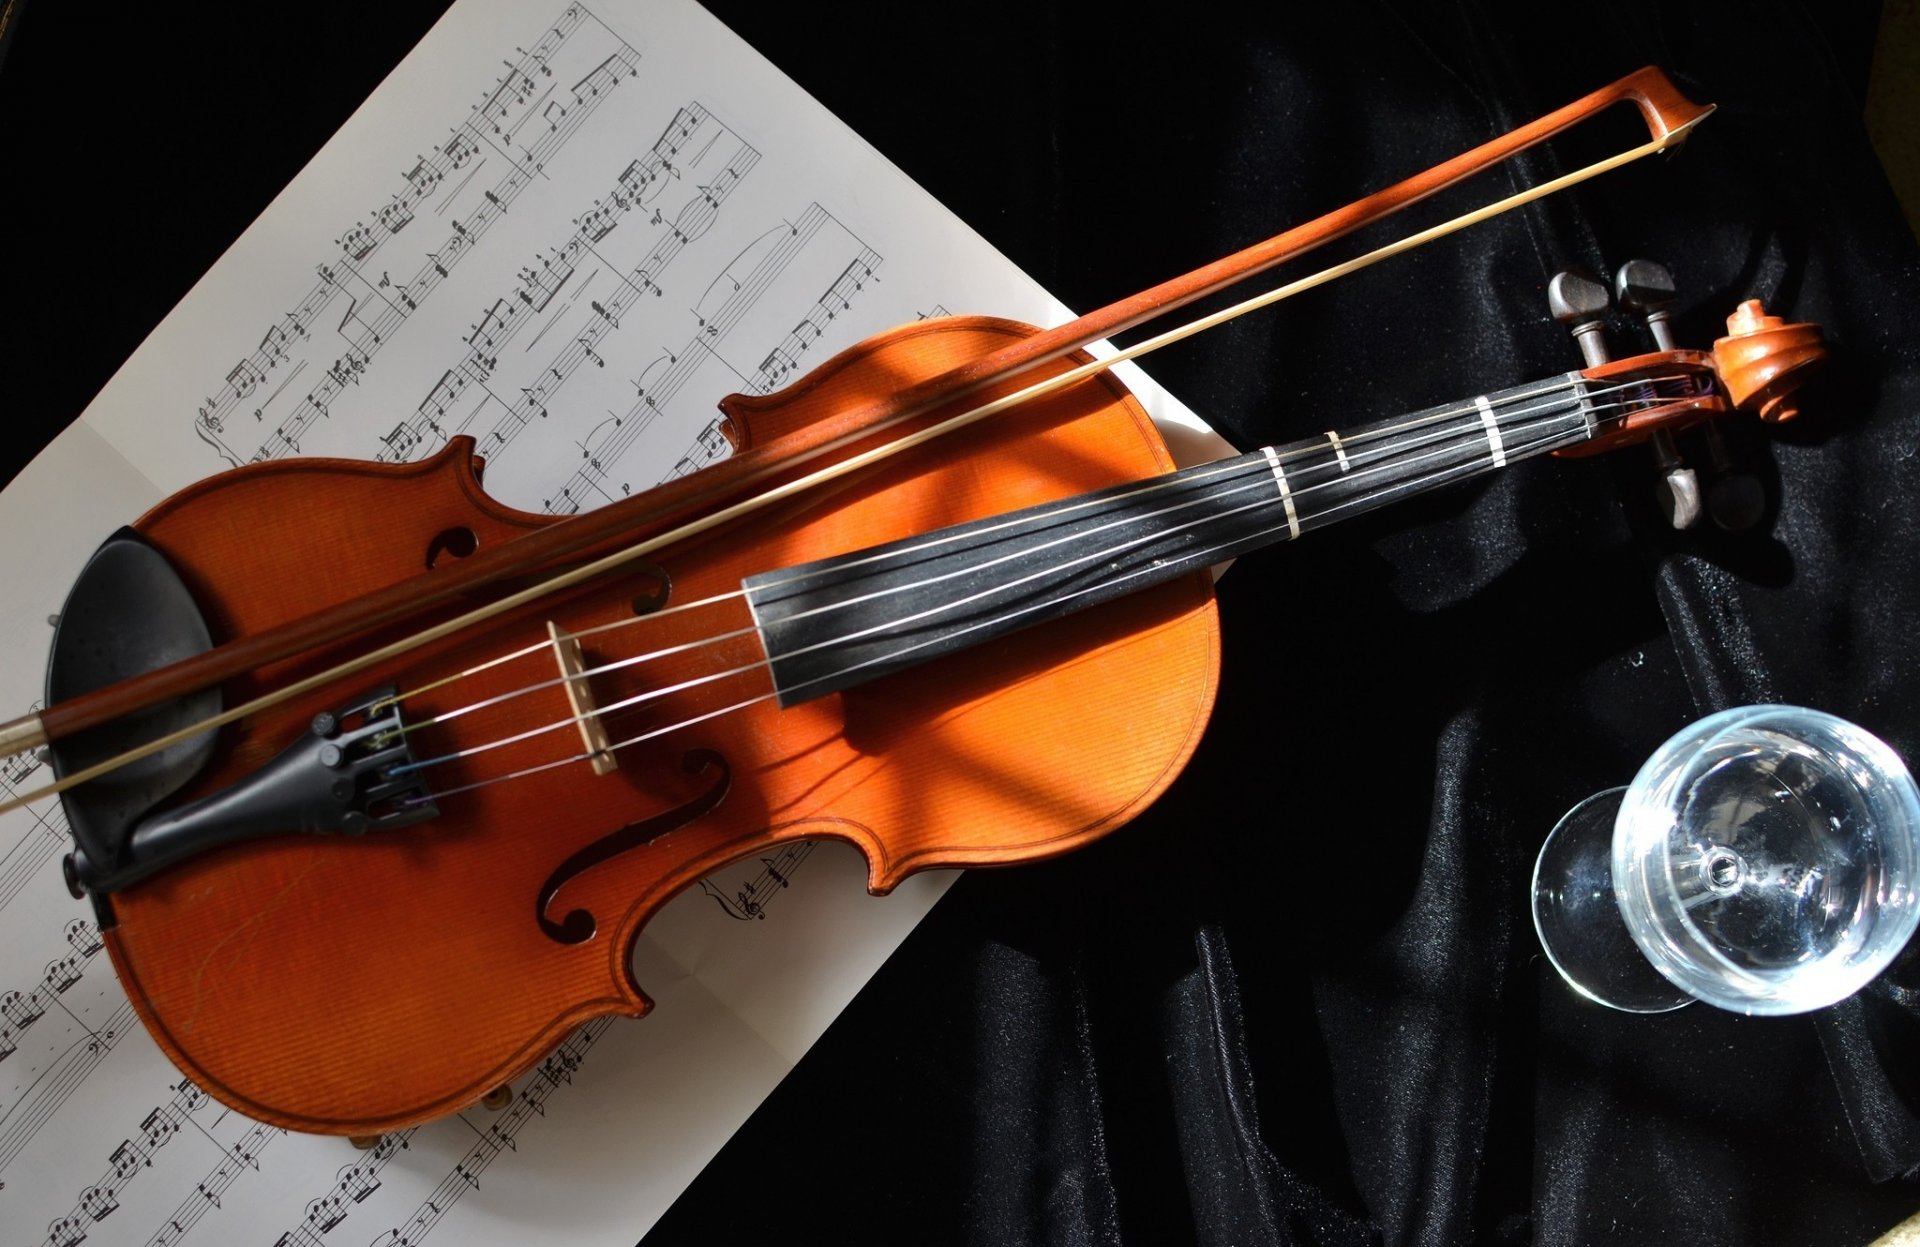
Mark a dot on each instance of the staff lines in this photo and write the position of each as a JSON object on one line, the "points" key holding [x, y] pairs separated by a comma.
{"points": [[636, 188], [606, 444], [364, 334]]}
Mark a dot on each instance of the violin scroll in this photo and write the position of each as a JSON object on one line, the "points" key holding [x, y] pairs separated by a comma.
{"points": [[1763, 361], [1759, 367]]}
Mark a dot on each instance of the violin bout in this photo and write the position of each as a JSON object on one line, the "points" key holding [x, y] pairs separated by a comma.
{"points": [[360, 984]]}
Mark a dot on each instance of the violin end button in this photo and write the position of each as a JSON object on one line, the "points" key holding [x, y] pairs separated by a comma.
{"points": [[497, 1099]]}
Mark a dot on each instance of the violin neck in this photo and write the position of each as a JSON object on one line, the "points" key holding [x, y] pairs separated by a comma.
{"points": [[839, 622]]}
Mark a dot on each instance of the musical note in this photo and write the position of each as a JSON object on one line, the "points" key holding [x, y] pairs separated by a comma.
{"points": [[188, 1096], [127, 1159], [14, 771], [64, 973], [359, 1181], [395, 216], [423, 177], [244, 378], [325, 1213], [83, 936], [744, 904], [159, 1127], [98, 1201], [358, 243], [458, 151], [22, 1008]]}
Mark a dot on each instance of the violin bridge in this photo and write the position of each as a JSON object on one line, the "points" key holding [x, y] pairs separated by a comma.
{"points": [[573, 666]]}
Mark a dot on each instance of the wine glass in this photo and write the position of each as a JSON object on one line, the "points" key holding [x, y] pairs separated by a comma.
{"points": [[1763, 860]]}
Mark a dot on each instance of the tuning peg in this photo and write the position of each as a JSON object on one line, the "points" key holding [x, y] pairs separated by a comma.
{"points": [[1733, 498], [1647, 288], [1679, 489], [1580, 301]]}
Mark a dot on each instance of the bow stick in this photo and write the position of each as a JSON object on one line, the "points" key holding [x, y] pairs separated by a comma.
{"points": [[691, 505]]}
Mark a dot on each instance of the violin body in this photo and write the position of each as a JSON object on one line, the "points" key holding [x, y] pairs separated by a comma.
{"points": [[356, 984]]}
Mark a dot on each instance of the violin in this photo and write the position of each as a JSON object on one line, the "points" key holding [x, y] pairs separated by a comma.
{"points": [[327, 721]]}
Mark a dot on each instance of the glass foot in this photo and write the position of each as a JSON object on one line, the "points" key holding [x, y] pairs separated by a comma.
{"points": [[1577, 916]]}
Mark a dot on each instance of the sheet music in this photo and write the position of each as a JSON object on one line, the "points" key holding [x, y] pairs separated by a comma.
{"points": [[565, 230]]}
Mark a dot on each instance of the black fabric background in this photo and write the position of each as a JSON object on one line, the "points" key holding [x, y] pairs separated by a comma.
{"points": [[1300, 1000]]}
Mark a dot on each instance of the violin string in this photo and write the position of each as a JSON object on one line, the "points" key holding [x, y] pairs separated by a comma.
{"points": [[1520, 451], [1360, 465], [724, 514], [1258, 475], [538, 646], [615, 747], [1392, 429], [931, 540], [447, 715], [1517, 450]]}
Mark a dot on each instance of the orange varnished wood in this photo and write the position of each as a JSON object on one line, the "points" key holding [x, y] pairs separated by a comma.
{"points": [[358, 985]]}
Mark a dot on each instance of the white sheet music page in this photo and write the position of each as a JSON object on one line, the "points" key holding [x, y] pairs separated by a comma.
{"points": [[565, 230]]}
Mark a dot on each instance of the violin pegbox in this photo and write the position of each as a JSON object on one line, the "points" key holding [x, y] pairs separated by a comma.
{"points": [[1581, 301], [1758, 367]]}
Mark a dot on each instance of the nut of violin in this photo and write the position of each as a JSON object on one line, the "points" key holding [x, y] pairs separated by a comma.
{"points": [[1763, 361]]}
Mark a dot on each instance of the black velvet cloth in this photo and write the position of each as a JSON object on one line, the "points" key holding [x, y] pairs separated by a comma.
{"points": [[1299, 1000]]}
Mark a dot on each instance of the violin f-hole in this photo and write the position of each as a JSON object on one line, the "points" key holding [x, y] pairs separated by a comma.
{"points": [[457, 542], [655, 599], [579, 925]]}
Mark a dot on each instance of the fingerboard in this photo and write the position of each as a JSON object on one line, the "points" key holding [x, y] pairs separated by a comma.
{"points": [[838, 622]]}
